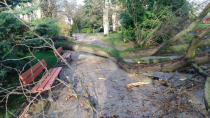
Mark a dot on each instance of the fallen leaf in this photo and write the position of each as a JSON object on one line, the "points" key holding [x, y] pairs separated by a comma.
{"points": [[177, 97], [131, 111], [110, 96], [67, 98], [90, 84], [190, 101], [144, 110], [182, 106], [118, 77], [183, 79], [188, 94], [136, 84], [26, 115], [161, 80], [82, 105], [84, 93], [102, 78]]}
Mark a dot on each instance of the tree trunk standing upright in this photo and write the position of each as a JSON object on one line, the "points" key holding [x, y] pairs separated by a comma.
{"points": [[114, 17], [106, 18], [39, 10]]}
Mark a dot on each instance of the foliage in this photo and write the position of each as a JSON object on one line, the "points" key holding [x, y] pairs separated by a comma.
{"points": [[139, 16], [46, 27], [12, 32], [60, 39], [65, 29], [88, 30], [93, 14]]}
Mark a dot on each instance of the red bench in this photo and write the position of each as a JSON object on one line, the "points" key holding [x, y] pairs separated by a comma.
{"points": [[45, 82], [66, 55]]}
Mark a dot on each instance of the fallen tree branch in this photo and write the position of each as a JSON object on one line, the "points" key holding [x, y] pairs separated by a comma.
{"points": [[206, 86]]}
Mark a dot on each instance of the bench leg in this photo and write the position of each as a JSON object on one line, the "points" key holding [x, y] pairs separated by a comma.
{"points": [[69, 59]]}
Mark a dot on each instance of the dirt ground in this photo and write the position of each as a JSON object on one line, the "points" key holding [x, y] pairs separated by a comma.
{"points": [[183, 99]]}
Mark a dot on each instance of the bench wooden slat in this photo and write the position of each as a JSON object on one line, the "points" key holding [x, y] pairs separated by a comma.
{"points": [[34, 75], [60, 49], [31, 70], [46, 80], [66, 55], [41, 81], [52, 79]]}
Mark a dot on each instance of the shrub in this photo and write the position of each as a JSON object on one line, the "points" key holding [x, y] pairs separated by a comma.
{"points": [[87, 29], [60, 39], [65, 29]]}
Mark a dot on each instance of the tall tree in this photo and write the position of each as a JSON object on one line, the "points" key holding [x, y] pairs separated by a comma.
{"points": [[106, 17], [93, 14]]}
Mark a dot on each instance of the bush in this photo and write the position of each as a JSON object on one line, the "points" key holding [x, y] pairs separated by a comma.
{"points": [[87, 29], [6, 54], [60, 39], [46, 27], [65, 29]]}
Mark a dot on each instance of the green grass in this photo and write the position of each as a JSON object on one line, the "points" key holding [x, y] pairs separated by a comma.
{"points": [[15, 101], [102, 34], [117, 42], [48, 56]]}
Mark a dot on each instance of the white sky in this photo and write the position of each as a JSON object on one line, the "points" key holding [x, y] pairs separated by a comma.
{"points": [[80, 2]]}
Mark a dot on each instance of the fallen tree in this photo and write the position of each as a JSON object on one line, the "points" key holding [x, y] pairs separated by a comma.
{"points": [[167, 66]]}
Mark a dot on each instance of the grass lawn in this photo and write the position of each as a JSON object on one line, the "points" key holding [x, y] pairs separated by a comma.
{"points": [[117, 42], [15, 101], [102, 34]]}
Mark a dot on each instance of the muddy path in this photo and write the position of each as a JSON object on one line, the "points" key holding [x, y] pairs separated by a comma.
{"points": [[113, 98]]}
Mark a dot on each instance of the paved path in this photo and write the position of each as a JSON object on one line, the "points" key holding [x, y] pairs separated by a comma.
{"points": [[112, 97]]}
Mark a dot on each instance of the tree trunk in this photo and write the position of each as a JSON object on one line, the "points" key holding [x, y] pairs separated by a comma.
{"points": [[206, 86], [193, 44], [114, 15], [39, 10], [106, 18], [168, 66], [93, 30]]}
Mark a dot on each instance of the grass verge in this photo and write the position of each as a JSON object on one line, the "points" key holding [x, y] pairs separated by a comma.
{"points": [[118, 43], [102, 34]]}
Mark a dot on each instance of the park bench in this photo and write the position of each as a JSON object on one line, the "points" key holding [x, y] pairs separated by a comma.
{"points": [[45, 82], [66, 55]]}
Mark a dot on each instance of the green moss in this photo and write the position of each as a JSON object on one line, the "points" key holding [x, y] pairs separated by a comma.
{"points": [[151, 60], [113, 52]]}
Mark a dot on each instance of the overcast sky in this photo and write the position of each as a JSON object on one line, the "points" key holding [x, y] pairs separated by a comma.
{"points": [[80, 2]]}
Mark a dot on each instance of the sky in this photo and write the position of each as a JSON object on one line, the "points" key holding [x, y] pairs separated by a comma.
{"points": [[80, 2]]}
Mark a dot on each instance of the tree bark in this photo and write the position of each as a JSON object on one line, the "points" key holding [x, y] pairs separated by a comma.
{"points": [[193, 44], [39, 10], [168, 66], [106, 18], [114, 15], [206, 86]]}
